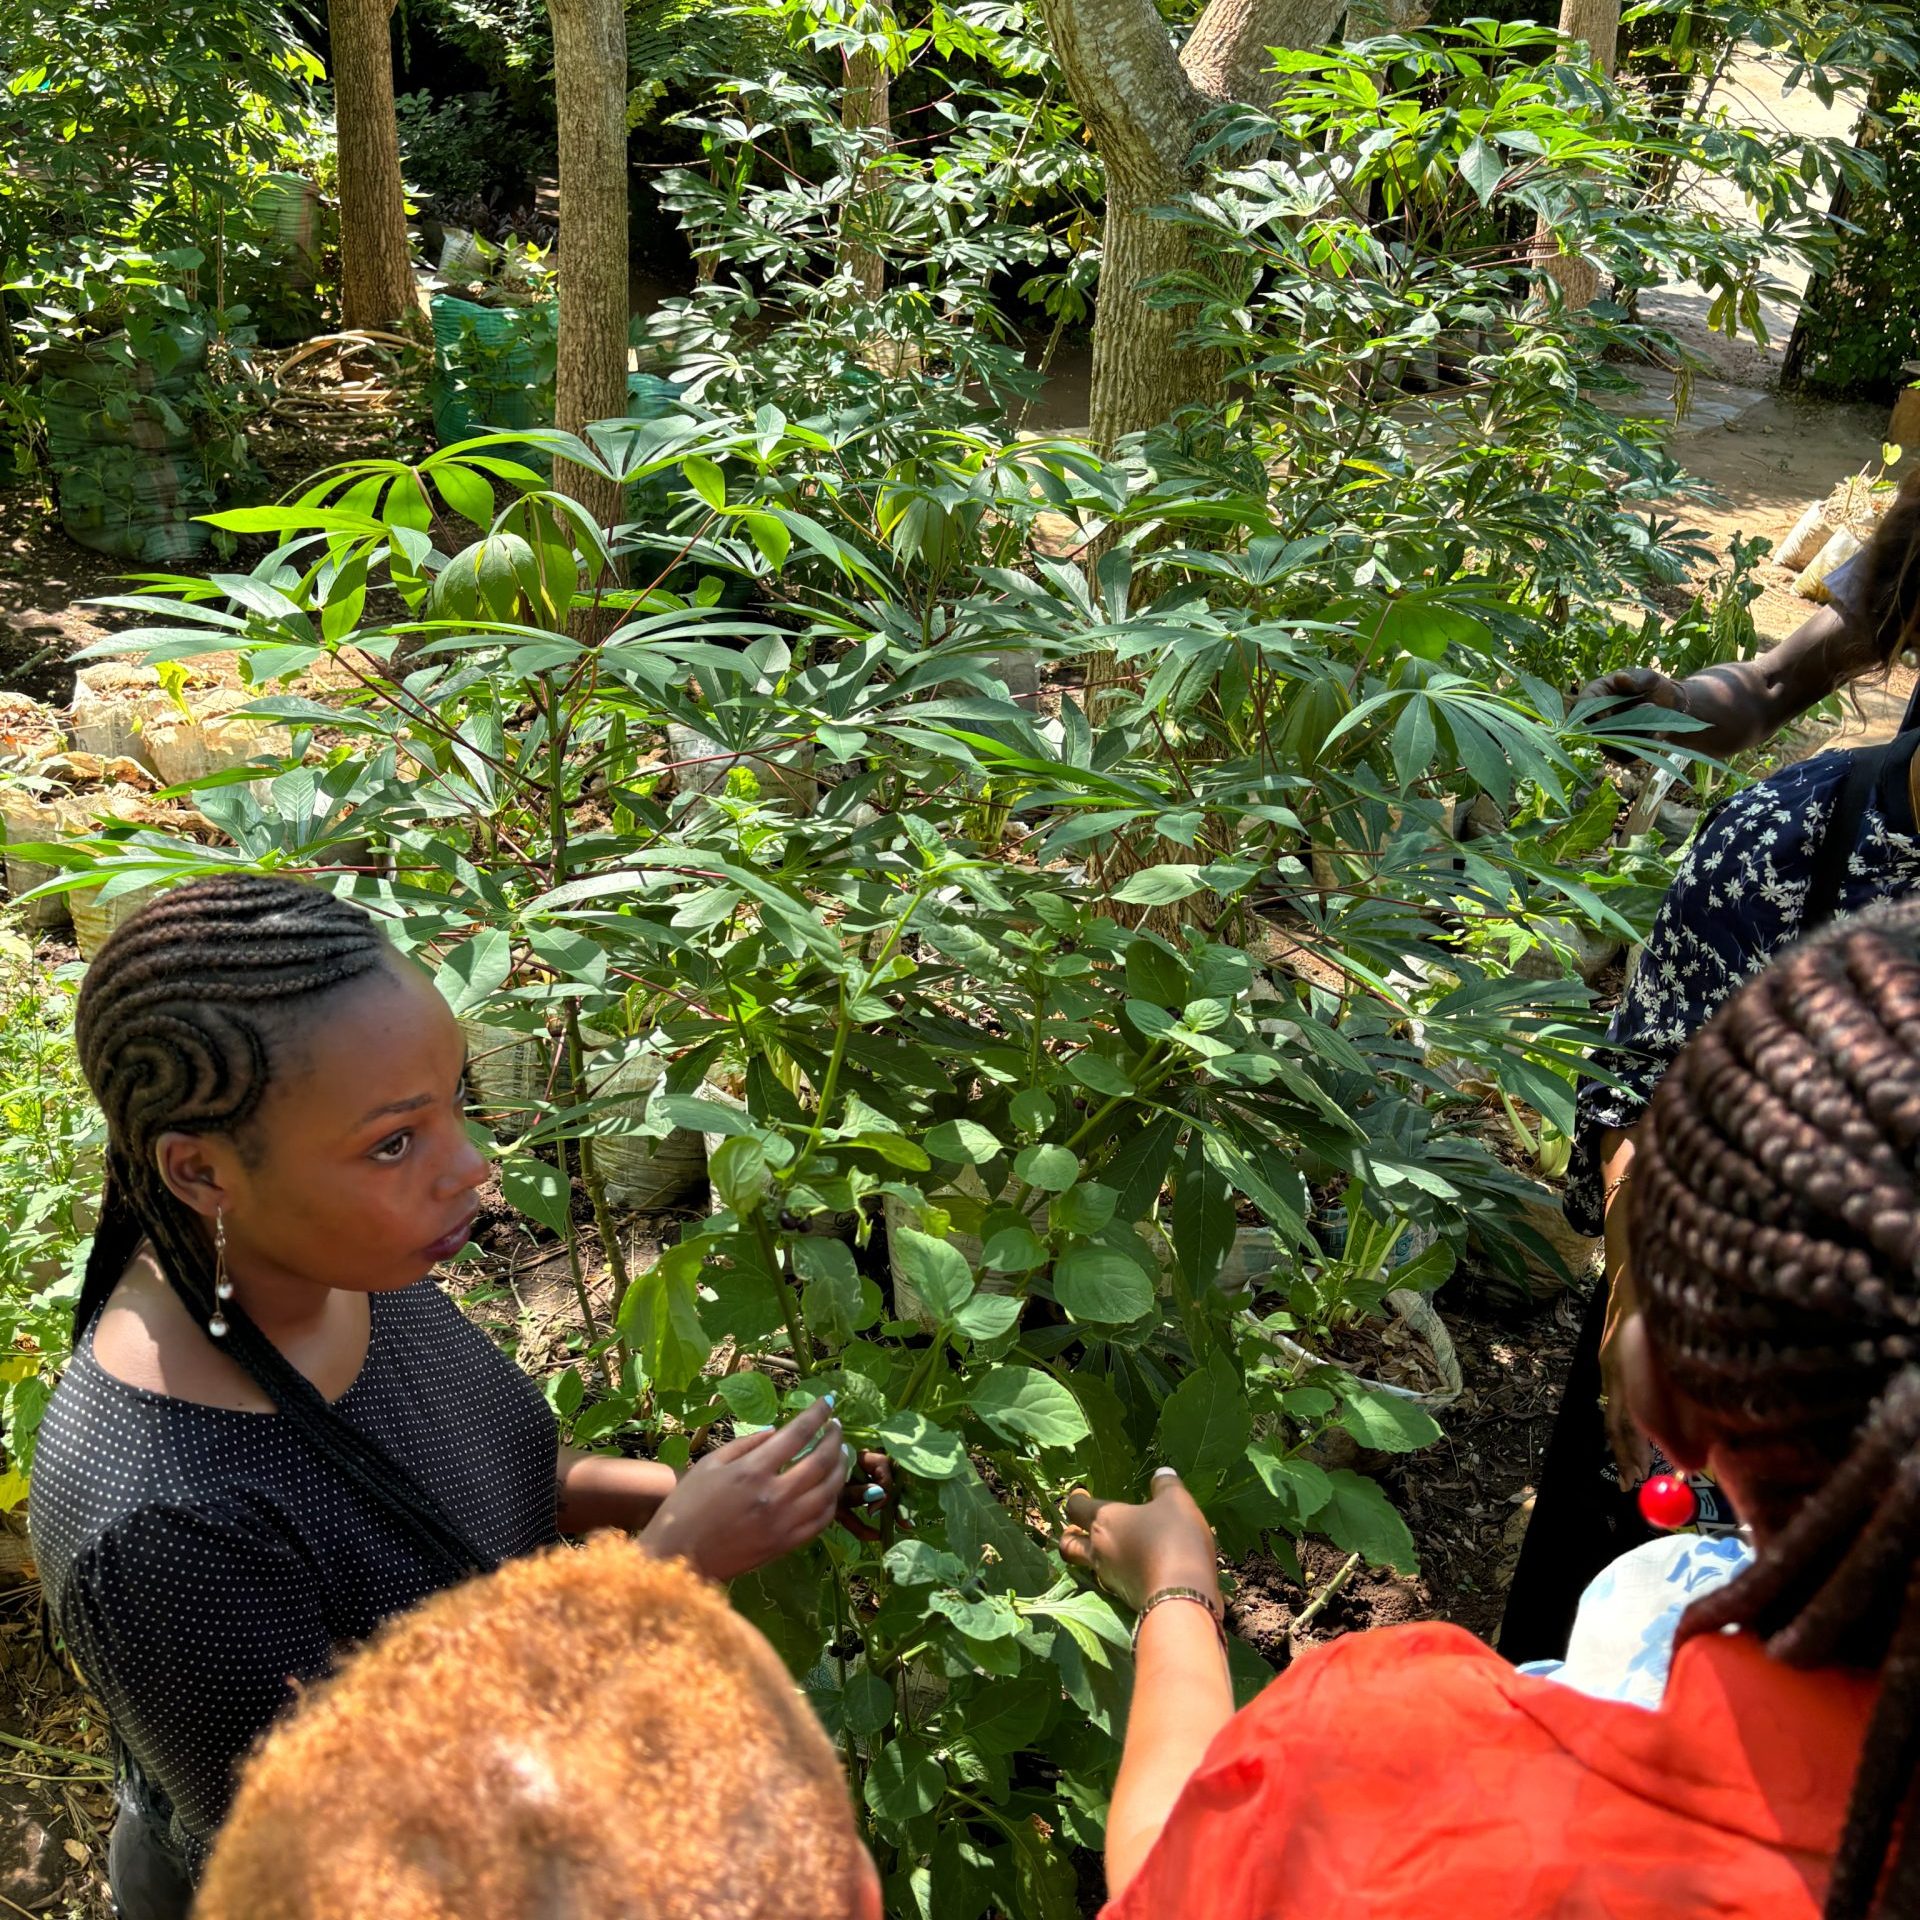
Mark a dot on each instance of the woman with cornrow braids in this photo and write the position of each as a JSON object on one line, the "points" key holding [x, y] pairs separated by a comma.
{"points": [[275, 1430], [1745, 1745]]}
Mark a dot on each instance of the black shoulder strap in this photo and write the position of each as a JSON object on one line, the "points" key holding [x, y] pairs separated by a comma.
{"points": [[1842, 835]]}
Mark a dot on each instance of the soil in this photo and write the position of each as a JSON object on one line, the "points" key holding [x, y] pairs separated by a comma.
{"points": [[1466, 1501]]}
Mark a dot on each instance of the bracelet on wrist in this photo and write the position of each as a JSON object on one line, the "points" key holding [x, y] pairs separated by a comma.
{"points": [[1163, 1594]]}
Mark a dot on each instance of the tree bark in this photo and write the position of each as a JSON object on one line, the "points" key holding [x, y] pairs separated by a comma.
{"points": [[866, 107], [1597, 22], [590, 88], [1143, 105], [1371, 19], [377, 287]]}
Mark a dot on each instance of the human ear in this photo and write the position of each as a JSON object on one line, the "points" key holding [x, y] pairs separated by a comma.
{"points": [[1665, 1417], [200, 1171]]}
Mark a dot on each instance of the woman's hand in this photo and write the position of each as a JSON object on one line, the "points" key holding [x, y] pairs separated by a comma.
{"points": [[754, 1499], [1637, 687], [1136, 1551], [867, 1495]]}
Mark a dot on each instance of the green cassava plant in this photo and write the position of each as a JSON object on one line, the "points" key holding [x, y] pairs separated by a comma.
{"points": [[985, 1144]]}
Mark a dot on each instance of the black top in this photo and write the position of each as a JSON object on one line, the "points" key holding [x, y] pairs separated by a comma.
{"points": [[198, 1559]]}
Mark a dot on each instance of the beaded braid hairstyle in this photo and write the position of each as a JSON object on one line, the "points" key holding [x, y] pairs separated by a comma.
{"points": [[1776, 1243], [178, 1023]]}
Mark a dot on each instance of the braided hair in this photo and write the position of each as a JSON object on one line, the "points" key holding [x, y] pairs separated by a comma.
{"points": [[176, 1024], [1776, 1241], [1885, 605]]}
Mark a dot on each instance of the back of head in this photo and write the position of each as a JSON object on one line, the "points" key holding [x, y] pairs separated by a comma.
{"points": [[1776, 1242], [582, 1735]]}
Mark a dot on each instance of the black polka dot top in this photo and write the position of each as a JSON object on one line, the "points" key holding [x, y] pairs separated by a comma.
{"points": [[200, 1559]]}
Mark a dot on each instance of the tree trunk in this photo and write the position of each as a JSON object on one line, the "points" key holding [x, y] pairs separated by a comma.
{"points": [[377, 287], [1597, 22], [1143, 104], [866, 106], [1370, 19], [590, 88], [1141, 373]]}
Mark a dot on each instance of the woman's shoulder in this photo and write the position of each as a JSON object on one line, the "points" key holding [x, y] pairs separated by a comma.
{"points": [[119, 1463]]}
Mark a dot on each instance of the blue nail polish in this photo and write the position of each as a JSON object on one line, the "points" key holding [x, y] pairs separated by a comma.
{"points": [[874, 1495], [829, 1401]]}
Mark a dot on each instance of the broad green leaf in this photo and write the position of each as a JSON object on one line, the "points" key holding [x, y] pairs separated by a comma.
{"points": [[1021, 1403], [1108, 1464], [912, 1441], [1050, 1169], [1084, 1208], [1098, 1074], [706, 480], [904, 1781], [913, 1563], [537, 1190], [1303, 1487], [894, 1148], [866, 1703], [1010, 1714], [1047, 1887], [1204, 1219], [1154, 975], [992, 1618], [1388, 1422], [1097, 1284], [1483, 168], [739, 1173], [935, 1270], [962, 1140], [465, 493], [751, 1398], [1206, 1424], [988, 1315], [1159, 886], [1014, 1250], [475, 970], [660, 1321], [1361, 1519]]}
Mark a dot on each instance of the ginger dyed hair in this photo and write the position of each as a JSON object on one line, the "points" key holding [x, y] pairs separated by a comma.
{"points": [[583, 1735], [1776, 1237]]}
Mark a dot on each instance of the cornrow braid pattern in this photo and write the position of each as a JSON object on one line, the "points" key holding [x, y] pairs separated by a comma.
{"points": [[1776, 1240], [174, 1023]]}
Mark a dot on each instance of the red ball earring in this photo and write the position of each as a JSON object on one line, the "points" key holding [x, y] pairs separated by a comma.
{"points": [[1668, 1502]]}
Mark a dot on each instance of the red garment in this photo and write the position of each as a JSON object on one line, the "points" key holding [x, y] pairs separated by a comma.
{"points": [[1411, 1774]]}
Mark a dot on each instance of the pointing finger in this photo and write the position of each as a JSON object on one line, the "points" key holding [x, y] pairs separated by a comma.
{"points": [[1082, 1508], [792, 1439]]}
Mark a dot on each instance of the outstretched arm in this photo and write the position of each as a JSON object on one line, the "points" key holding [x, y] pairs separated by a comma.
{"points": [[1182, 1695], [1742, 703]]}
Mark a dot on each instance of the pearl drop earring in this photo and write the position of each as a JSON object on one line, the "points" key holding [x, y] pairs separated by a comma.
{"points": [[222, 1285]]}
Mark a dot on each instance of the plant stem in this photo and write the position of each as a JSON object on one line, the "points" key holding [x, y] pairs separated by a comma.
{"points": [[579, 1277], [54, 1753], [590, 1177], [1325, 1594], [789, 1300]]}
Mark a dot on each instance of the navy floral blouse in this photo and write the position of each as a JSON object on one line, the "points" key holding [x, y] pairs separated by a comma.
{"points": [[1736, 900]]}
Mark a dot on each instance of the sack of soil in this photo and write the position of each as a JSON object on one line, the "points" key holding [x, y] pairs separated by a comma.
{"points": [[126, 463], [121, 709], [29, 732], [68, 795]]}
